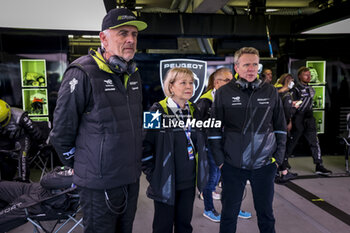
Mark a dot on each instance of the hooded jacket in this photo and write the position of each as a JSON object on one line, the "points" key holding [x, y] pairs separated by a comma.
{"points": [[158, 161]]}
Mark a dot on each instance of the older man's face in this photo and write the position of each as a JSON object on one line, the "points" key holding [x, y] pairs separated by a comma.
{"points": [[121, 41], [247, 67]]}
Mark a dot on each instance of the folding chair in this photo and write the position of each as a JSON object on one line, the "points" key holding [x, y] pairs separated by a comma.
{"points": [[43, 155], [43, 159], [60, 216]]}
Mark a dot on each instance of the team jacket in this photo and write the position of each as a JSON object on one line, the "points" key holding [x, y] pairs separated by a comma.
{"points": [[101, 118], [253, 132], [158, 161], [306, 94], [289, 110], [20, 124], [204, 104]]}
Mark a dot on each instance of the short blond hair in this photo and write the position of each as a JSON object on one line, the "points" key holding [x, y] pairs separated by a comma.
{"points": [[171, 77], [244, 50]]}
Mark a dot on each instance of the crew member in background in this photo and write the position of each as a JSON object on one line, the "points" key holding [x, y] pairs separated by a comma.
{"points": [[303, 121], [267, 75], [284, 84], [217, 79], [97, 127], [18, 134], [251, 143]]}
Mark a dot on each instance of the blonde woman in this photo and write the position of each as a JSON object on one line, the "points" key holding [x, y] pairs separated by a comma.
{"points": [[169, 156]]}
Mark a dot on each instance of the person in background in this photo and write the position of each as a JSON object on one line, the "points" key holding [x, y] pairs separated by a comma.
{"points": [[169, 156], [97, 127], [18, 134], [267, 75], [284, 84], [303, 121], [217, 79], [250, 143]]}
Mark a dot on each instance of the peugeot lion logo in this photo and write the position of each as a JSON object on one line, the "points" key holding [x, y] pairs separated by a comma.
{"points": [[199, 69]]}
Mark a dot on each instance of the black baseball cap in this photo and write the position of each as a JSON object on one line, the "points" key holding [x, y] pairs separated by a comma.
{"points": [[119, 17]]}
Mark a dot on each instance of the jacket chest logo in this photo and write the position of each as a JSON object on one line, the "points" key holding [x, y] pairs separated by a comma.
{"points": [[134, 85], [263, 101], [236, 100], [109, 85]]}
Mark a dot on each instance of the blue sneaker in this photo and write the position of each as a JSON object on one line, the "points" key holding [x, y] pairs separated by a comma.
{"points": [[244, 214], [212, 215]]}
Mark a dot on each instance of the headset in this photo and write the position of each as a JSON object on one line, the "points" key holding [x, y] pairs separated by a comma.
{"points": [[117, 64], [244, 84]]}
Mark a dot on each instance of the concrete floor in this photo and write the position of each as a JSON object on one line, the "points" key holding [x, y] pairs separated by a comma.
{"points": [[293, 212]]}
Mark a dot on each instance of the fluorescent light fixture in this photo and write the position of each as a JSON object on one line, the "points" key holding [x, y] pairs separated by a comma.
{"points": [[90, 36], [272, 10], [340, 27]]}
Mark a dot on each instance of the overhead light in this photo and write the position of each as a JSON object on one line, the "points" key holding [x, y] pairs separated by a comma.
{"points": [[138, 7], [272, 10], [90, 36], [70, 36]]}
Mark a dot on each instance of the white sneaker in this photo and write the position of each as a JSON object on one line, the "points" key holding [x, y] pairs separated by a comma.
{"points": [[216, 196], [200, 196], [220, 184]]}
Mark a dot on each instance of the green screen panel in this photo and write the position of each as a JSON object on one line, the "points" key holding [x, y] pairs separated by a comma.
{"points": [[35, 101], [319, 117], [33, 73], [319, 98], [318, 71]]}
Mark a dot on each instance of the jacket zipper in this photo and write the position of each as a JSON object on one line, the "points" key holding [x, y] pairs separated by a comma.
{"points": [[101, 149], [132, 125]]}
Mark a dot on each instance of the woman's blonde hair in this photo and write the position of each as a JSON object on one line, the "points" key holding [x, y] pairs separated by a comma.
{"points": [[283, 78], [171, 77]]}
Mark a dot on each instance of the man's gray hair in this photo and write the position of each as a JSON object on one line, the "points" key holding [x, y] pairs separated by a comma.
{"points": [[244, 50], [106, 32]]}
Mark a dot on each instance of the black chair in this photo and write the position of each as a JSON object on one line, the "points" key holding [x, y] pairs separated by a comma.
{"points": [[62, 217]]}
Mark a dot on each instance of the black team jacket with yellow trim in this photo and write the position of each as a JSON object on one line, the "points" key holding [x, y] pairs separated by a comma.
{"points": [[102, 119], [158, 161]]}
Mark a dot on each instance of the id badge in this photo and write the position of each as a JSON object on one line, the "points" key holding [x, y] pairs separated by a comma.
{"points": [[190, 152]]}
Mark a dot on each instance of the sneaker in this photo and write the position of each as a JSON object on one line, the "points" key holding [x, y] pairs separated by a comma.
{"points": [[200, 196], [288, 176], [244, 214], [212, 215], [321, 170], [216, 196]]}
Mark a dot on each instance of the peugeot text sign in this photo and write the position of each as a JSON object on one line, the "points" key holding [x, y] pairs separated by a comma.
{"points": [[199, 69]]}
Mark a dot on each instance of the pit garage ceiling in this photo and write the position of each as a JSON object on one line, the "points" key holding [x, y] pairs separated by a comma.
{"points": [[86, 15]]}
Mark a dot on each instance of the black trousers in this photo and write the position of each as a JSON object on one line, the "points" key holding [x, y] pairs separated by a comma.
{"points": [[304, 125], [178, 216], [102, 216], [233, 183]]}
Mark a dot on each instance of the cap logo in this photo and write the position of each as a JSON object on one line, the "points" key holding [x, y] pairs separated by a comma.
{"points": [[125, 17]]}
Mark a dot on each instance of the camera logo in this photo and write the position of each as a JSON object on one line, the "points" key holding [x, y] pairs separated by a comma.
{"points": [[151, 120]]}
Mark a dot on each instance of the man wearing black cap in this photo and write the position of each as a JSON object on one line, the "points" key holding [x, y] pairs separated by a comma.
{"points": [[97, 125]]}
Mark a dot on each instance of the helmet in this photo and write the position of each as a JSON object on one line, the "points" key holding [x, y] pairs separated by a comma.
{"points": [[5, 113]]}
